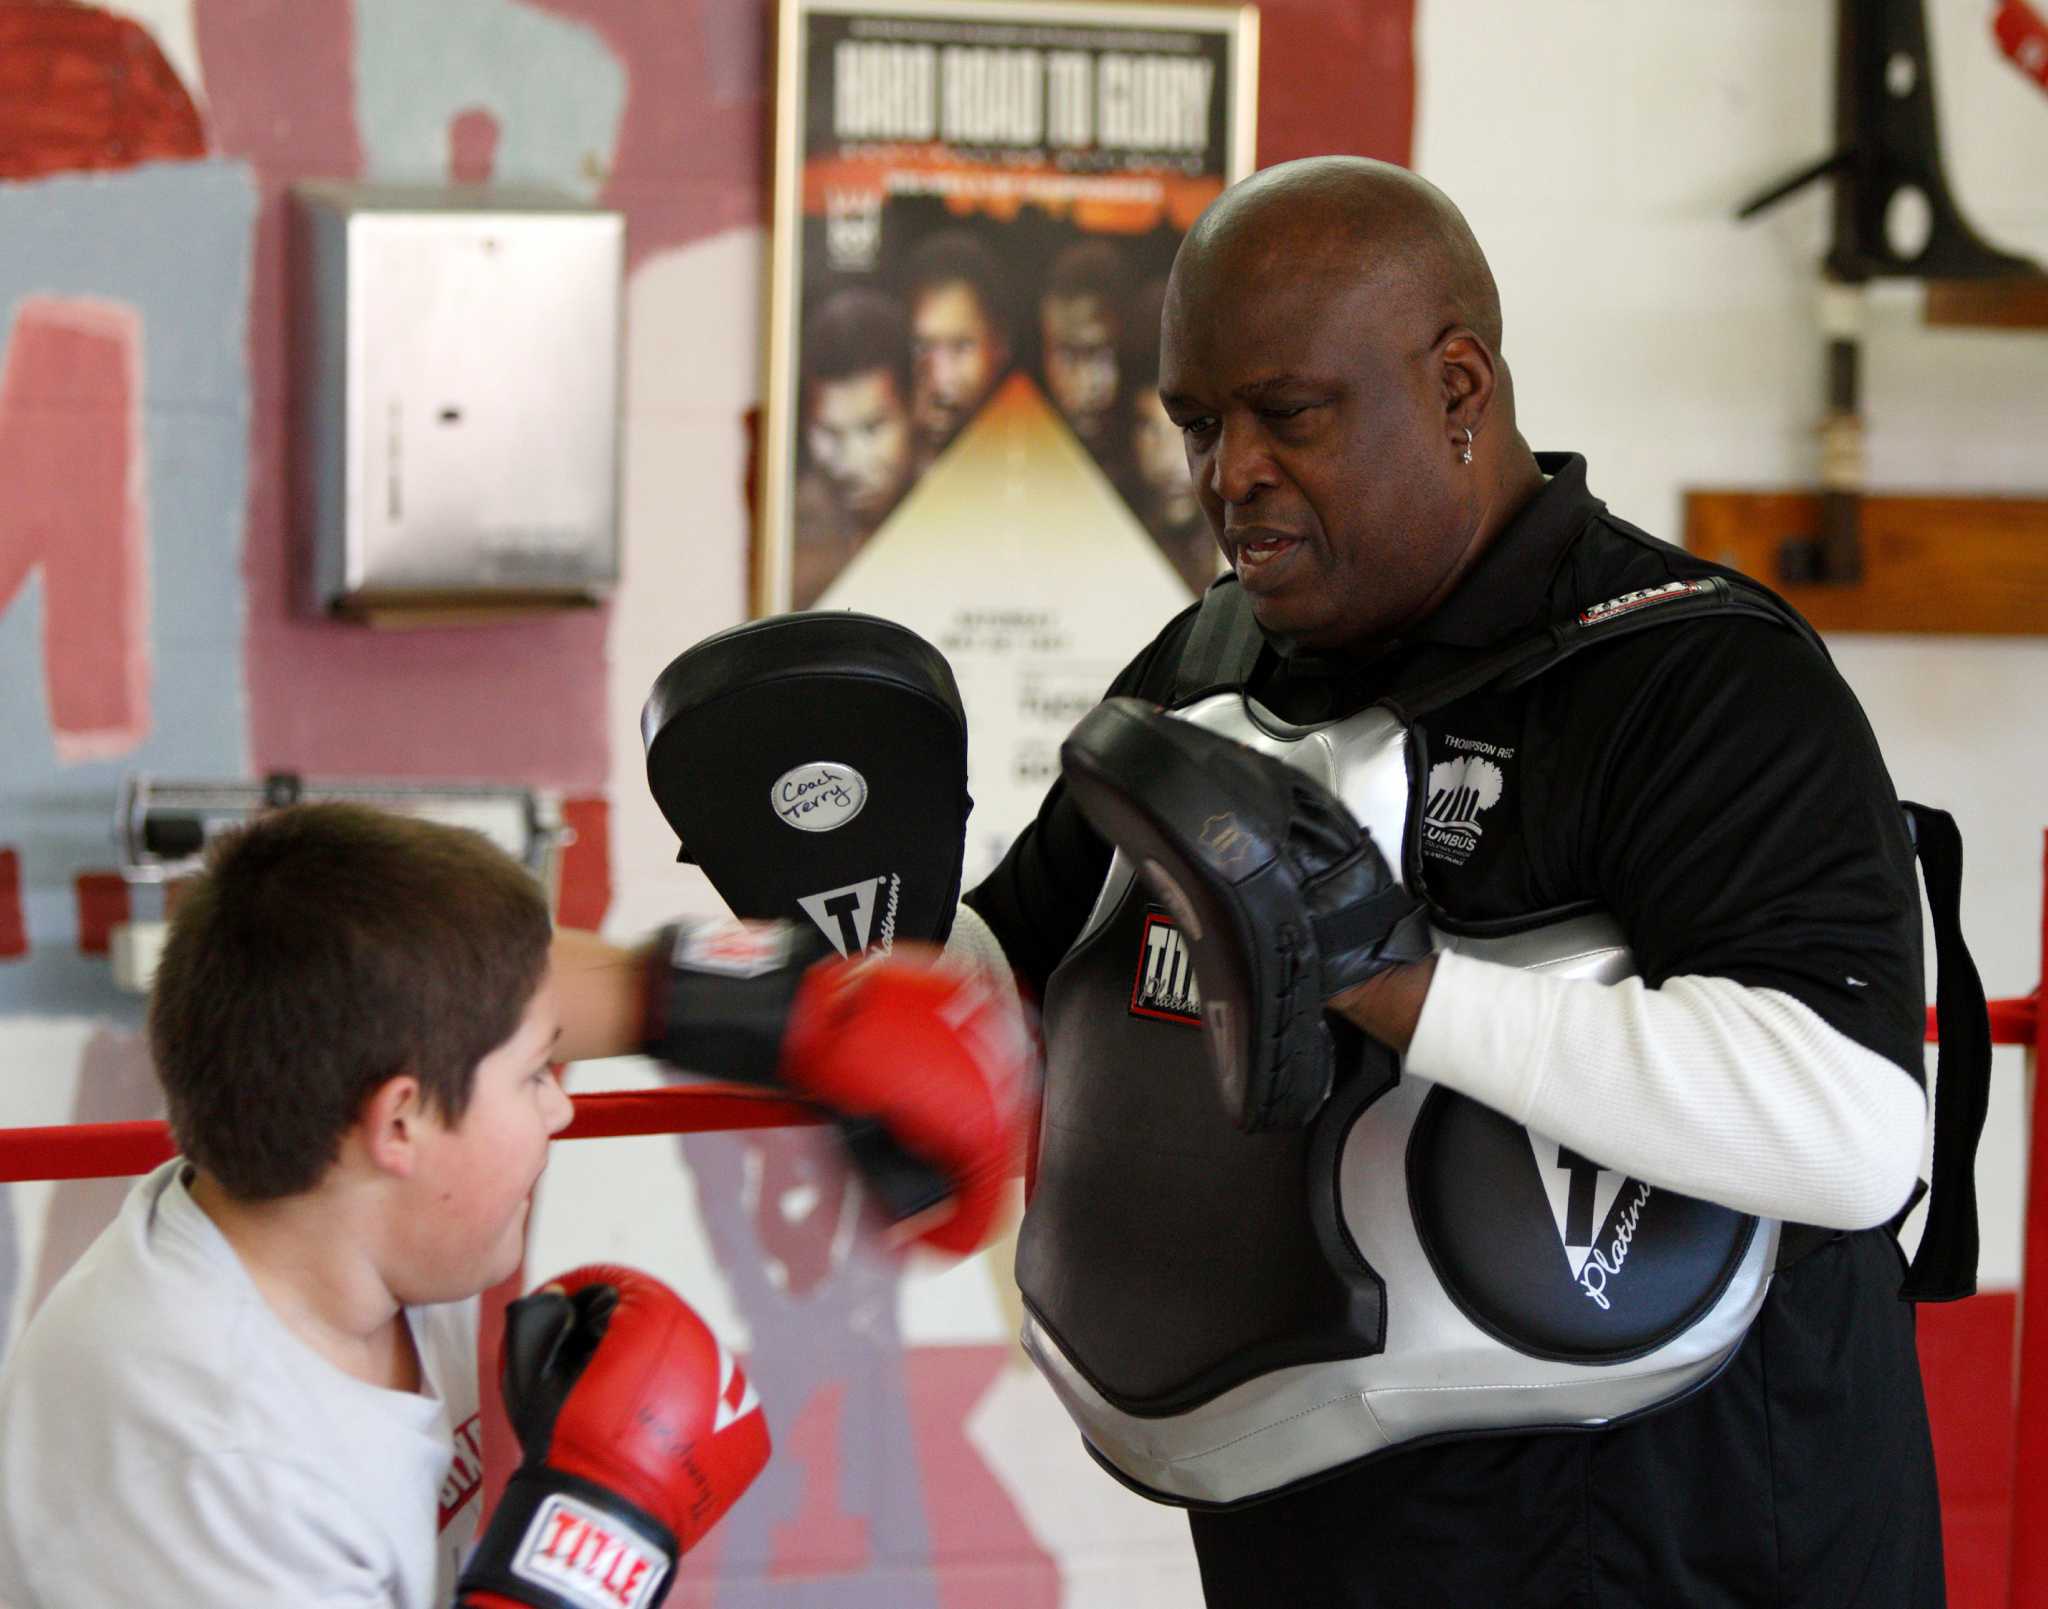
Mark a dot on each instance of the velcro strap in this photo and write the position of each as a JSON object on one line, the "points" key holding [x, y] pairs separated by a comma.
{"points": [[1364, 924], [719, 993]]}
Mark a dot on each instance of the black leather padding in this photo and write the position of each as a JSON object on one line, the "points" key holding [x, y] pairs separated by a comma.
{"points": [[732, 717], [1282, 895]]}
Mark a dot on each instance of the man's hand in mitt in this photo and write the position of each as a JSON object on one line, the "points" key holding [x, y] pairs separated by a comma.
{"points": [[1284, 900]]}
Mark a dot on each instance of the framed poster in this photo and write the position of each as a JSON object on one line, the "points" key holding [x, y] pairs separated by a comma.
{"points": [[977, 202]]}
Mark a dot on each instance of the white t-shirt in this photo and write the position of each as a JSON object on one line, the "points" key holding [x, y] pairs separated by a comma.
{"points": [[165, 1440]]}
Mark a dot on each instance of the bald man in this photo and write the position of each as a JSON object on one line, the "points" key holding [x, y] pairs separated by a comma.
{"points": [[1333, 356]]}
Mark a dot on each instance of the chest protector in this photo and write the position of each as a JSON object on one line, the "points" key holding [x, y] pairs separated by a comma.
{"points": [[1226, 1315]]}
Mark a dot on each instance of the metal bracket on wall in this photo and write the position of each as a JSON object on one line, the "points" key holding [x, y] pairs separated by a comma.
{"points": [[1894, 218], [162, 829]]}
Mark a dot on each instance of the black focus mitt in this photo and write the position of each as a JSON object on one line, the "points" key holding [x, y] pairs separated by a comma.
{"points": [[815, 767], [1284, 899]]}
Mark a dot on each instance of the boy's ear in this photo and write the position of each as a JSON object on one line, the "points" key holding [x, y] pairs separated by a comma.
{"points": [[390, 1121]]}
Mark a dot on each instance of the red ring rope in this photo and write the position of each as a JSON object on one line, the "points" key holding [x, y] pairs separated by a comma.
{"points": [[110, 1150]]}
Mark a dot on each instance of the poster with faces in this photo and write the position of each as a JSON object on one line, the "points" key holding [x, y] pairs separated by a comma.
{"points": [[977, 205]]}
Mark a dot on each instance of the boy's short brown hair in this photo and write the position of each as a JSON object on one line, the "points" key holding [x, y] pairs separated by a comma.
{"points": [[326, 949]]}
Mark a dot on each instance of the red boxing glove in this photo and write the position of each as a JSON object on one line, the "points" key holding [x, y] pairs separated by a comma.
{"points": [[639, 1431], [934, 1056], [2023, 35]]}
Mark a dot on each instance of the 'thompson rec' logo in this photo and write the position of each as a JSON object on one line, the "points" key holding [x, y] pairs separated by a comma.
{"points": [[1164, 986], [1459, 790]]}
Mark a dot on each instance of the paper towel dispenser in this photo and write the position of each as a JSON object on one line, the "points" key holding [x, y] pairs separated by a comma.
{"points": [[456, 381]]}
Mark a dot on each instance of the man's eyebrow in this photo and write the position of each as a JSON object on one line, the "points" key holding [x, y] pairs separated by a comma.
{"points": [[1252, 391], [1257, 390]]}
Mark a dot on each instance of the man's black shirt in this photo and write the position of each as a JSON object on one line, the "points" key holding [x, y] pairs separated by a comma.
{"points": [[1714, 785]]}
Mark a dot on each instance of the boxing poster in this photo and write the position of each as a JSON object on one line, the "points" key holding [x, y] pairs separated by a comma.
{"points": [[976, 208]]}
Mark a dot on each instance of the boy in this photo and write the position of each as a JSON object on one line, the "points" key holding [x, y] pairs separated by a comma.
{"points": [[258, 1386]]}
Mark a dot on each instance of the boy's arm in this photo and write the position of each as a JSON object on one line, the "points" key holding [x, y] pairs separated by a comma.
{"points": [[601, 990], [924, 1062]]}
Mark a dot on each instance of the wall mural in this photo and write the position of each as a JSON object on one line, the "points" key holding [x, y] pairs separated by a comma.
{"points": [[147, 623], [123, 413]]}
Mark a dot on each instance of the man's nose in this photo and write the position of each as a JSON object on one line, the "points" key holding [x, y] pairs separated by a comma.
{"points": [[1240, 465]]}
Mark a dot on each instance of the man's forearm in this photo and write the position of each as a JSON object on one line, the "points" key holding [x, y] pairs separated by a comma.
{"points": [[1389, 1004], [1738, 1095]]}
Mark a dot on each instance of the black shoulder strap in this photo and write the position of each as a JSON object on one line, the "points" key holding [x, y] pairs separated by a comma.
{"points": [[1225, 642], [1224, 645], [1945, 1266], [1529, 657]]}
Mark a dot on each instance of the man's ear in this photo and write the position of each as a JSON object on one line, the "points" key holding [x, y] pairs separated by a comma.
{"points": [[1467, 367], [390, 1124]]}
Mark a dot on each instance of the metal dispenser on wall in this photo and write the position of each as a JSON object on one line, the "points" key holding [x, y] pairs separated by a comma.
{"points": [[456, 387]]}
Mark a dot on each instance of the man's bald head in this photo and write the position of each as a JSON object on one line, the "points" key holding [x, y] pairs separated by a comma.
{"points": [[1350, 217], [1330, 352]]}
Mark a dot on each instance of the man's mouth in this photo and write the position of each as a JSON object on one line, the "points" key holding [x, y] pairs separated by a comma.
{"points": [[1258, 555]]}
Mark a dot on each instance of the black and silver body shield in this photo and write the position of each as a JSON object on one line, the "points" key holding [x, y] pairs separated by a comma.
{"points": [[1226, 1315]]}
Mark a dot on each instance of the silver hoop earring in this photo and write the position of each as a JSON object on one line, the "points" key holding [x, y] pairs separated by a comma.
{"points": [[1465, 457]]}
